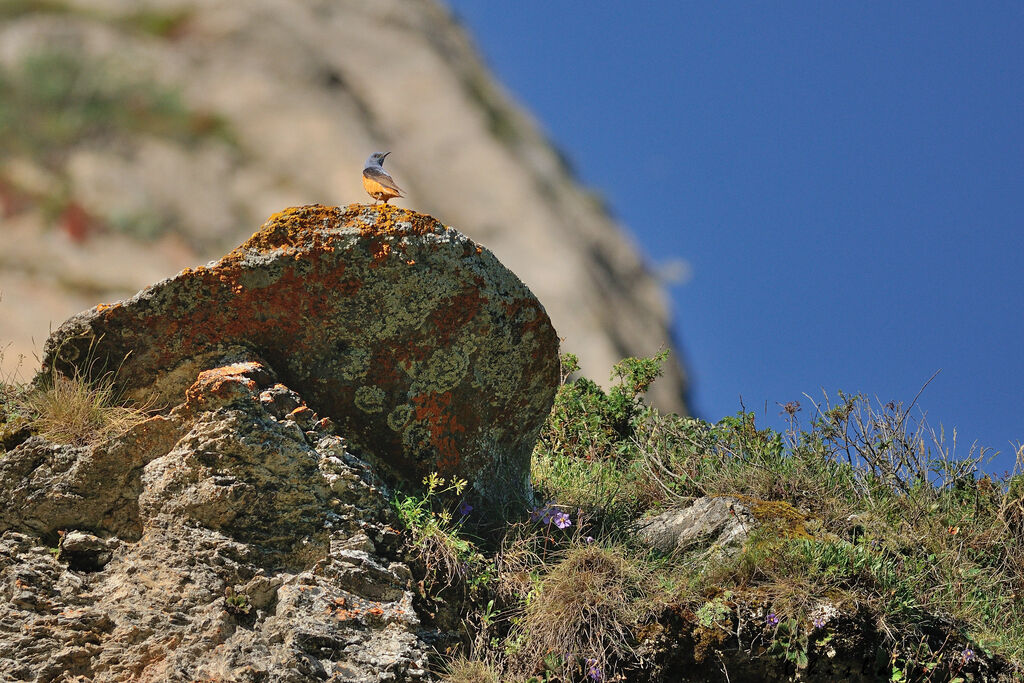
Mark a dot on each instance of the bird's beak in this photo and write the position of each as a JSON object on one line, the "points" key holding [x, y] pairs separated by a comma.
{"points": [[384, 155]]}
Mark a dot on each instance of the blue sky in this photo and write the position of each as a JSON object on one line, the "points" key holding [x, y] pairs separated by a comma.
{"points": [[846, 181]]}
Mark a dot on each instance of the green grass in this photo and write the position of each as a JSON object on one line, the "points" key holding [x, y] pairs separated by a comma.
{"points": [[866, 520], [435, 534]]}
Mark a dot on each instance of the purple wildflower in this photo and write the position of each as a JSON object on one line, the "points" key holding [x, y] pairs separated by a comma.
{"points": [[465, 508], [561, 520], [819, 622], [589, 539], [967, 654], [772, 619], [593, 672], [543, 514], [550, 514]]}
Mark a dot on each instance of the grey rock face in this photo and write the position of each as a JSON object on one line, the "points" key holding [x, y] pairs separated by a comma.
{"points": [[719, 523], [219, 542]]}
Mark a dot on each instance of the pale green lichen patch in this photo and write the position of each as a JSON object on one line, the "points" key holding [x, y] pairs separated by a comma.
{"points": [[369, 399], [443, 371], [399, 417]]}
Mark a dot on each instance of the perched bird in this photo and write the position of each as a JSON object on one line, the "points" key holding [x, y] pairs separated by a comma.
{"points": [[377, 182]]}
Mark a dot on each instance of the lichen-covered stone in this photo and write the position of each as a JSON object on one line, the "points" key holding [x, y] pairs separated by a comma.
{"points": [[425, 351], [216, 543]]}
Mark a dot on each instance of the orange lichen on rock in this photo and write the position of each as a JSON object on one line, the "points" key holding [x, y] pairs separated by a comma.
{"points": [[224, 384], [301, 225], [394, 220], [380, 251], [435, 410]]}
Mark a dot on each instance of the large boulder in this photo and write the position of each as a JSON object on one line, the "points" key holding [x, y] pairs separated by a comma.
{"points": [[427, 353]]}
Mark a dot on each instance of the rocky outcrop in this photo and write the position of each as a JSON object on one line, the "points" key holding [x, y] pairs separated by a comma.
{"points": [[425, 351], [233, 539], [235, 535], [270, 103]]}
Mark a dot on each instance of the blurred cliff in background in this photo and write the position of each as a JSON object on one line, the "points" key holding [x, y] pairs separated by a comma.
{"points": [[141, 137]]}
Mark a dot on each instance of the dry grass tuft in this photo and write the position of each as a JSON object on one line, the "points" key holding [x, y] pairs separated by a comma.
{"points": [[75, 411], [586, 606], [462, 670]]}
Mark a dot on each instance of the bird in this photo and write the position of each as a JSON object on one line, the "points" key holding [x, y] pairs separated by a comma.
{"points": [[376, 180]]}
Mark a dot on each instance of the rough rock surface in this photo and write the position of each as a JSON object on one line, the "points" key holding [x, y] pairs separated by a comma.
{"points": [[722, 523], [302, 97], [426, 352], [234, 539]]}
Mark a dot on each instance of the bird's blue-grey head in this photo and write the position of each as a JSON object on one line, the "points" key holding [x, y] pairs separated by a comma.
{"points": [[376, 159]]}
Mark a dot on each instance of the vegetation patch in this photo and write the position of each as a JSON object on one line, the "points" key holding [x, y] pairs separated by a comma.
{"points": [[583, 608], [161, 24], [12, 9], [873, 545], [67, 410], [54, 100]]}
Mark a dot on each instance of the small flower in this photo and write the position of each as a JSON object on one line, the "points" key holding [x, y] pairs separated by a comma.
{"points": [[465, 508], [561, 520], [967, 654], [819, 622], [593, 672], [588, 540], [953, 530], [772, 619], [543, 513]]}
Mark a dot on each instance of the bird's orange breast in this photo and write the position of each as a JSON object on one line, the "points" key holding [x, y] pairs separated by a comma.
{"points": [[375, 189]]}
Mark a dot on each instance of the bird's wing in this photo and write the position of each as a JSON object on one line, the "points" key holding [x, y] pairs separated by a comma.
{"points": [[381, 177]]}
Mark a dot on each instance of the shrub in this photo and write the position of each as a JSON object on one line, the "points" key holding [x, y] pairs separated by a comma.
{"points": [[586, 457]]}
